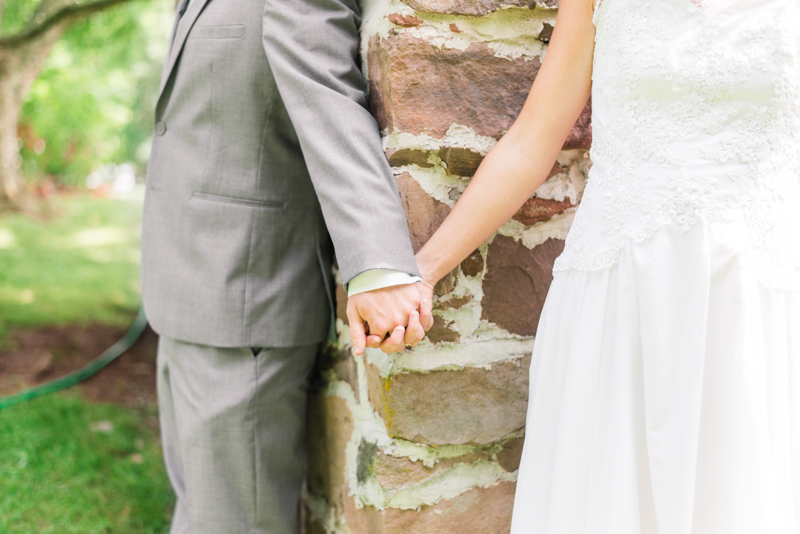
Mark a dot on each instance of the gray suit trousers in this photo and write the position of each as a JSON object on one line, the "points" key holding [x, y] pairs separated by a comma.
{"points": [[233, 433]]}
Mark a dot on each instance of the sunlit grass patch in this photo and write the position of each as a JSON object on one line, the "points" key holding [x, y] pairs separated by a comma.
{"points": [[80, 266], [67, 466]]}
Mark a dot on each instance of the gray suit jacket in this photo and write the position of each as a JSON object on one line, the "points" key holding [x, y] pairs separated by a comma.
{"points": [[264, 150]]}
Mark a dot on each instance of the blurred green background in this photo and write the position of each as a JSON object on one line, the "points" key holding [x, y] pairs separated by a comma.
{"points": [[92, 104], [85, 460]]}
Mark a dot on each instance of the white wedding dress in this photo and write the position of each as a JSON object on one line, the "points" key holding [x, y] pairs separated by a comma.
{"points": [[665, 383]]}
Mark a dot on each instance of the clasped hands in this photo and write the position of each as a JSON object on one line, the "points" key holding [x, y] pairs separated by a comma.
{"points": [[390, 318]]}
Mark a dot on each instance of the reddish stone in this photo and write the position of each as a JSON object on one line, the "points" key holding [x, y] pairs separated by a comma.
{"points": [[471, 405], [440, 331], [516, 283], [424, 213], [581, 134], [406, 21], [472, 87], [365, 520], [484, 510], [540, 209], [408, 156], [454, 28], [473, 265], [472, 7]]}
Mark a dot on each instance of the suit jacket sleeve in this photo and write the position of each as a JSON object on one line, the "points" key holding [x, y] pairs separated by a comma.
{"points": [[313, 51]]}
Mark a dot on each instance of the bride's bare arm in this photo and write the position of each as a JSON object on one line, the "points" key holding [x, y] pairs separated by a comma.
{"points": [[521, 160]]}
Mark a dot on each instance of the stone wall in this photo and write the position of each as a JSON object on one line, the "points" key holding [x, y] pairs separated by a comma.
{"points": [[429, 441]]}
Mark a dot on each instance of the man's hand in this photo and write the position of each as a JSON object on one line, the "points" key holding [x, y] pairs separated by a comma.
{"points": [[402, 312]]}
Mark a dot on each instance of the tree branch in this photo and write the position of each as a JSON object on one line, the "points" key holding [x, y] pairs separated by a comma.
{"points": [[65, 14]]}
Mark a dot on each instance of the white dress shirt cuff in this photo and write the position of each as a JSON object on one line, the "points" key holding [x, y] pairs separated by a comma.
{"points": [[378, 279]]}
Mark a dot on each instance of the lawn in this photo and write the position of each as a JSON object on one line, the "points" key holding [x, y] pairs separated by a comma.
{"points": [[68, 465], [78, 265]]}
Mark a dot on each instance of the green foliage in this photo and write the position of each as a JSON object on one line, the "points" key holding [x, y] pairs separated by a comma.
{"points": [[64, 469], [93, 102], [79, 267], [16, 14]]}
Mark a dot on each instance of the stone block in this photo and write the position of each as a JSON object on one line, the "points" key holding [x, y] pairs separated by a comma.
{"points": [[484, 510], [547, 33], [405, 21], [581, 134], [470, 405], [445, 285], [399, 157], [424, 212], [455, 303], [361, 520], [510, 455], [473, 7], [460, 161], [537, 210], [330, 425], [341, 303], [516, 283], [473, 265], [311, 525], [395, 473], [471, 87], [441, 331]]}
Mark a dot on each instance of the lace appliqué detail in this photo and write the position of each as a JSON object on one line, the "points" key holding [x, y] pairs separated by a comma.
{"points": [[701, 130]]}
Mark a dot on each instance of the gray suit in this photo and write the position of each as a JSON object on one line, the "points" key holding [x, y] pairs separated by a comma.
{"points": [[264, 154], [256, 158]]}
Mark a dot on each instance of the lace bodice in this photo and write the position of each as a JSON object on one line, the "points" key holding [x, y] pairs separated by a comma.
{"points": [[696, 120]]}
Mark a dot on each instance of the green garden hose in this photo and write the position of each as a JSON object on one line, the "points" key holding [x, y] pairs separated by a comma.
{"points": [[71, 379]]}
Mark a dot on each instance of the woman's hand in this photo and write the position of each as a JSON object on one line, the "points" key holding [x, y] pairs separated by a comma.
{"points": [[419, 321]]}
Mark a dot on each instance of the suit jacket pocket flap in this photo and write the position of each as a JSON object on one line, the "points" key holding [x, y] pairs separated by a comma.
{"points": [[234, 31], [268, 204]]}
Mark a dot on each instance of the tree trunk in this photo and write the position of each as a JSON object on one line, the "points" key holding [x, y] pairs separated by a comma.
{"points": [[19, 67]]}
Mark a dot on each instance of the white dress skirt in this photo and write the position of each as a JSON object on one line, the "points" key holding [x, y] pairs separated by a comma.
{"points": [[665, 380]]}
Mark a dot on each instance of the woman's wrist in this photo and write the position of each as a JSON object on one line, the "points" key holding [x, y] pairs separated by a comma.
{"points": [[426, 270]]}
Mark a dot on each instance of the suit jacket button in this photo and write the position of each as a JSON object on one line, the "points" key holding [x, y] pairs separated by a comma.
{"points": [[161, 128]]}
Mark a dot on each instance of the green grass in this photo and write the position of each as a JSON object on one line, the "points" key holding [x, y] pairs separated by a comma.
{"points": [[57, 475], [80, 266]]}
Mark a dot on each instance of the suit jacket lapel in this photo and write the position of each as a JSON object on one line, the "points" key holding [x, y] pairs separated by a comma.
{"points": [[180, 31], [169, 51]]}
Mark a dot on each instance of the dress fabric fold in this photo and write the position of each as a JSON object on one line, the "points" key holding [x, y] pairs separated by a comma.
{"points": [[665, 378]]}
